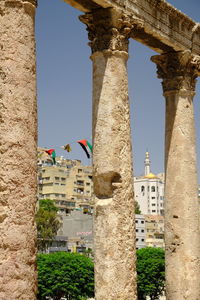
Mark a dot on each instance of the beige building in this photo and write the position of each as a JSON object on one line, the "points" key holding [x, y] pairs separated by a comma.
{"points": [[68, 183], [154, 231]]}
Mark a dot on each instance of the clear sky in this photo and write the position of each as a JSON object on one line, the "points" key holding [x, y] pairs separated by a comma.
{"points": [[64, 82]]}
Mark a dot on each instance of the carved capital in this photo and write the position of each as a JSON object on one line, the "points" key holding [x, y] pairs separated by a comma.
{"points": [[33, 2], [178, 70], [20, 2], [107, 29]]}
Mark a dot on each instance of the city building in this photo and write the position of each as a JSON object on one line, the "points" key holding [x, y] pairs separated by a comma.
{"points": [[70, 185], [67, 182], [78, 227], [149, 191], [154, 226], [140, 231]]}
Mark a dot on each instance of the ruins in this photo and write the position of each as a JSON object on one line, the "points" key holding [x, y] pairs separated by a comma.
{"points": [[110, 25]]}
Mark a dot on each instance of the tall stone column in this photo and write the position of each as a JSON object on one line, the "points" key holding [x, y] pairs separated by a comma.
{"points": [[179, 71], [18, 134], [114, 225]]}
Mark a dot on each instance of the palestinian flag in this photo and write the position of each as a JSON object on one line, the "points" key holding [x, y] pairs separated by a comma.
{"points": [[85, 145], [52, 153]]}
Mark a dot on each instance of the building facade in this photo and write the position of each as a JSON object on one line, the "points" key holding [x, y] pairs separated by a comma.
{"points": [[68, 183], [140, 231], [154, 226], [149, 191]]}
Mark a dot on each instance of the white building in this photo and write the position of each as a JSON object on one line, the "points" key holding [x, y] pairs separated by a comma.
{"points": [[149, 191], [140, 231]]}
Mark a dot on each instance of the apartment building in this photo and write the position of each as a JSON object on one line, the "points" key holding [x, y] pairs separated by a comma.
{"points": [[67, 182]]}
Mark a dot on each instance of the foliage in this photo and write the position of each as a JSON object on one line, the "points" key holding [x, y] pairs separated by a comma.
{"points": [[89, 253], [137, 208], [47, 223], [63, 274], [150, 272]]}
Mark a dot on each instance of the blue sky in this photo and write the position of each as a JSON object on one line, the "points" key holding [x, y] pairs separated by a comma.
{"points": [[64, 86]]}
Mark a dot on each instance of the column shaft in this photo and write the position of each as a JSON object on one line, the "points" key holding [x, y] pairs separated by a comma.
{"points": [[113, 180], [18, 135], [181, 207], [114, 225], [182, 237]]}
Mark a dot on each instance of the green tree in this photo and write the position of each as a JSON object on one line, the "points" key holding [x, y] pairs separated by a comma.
{"points": [[47, 223], [150, 272], [137, 208], [63, 274]]}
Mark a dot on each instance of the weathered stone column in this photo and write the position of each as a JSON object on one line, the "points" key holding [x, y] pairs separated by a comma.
{"points": [[114, 235], [179, 71], [18, 134]]}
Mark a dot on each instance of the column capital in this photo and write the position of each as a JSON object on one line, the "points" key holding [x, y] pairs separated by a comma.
{"points": [[178, 70], [33, 2], [20, 2], [108, 29]]}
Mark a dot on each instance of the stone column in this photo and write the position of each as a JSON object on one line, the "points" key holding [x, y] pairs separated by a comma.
{"points": [[114, 225], [18, 163], [179, 71]]}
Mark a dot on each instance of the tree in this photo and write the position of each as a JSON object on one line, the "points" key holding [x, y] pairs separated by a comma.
{"points": [[63, 274], [150, 272], [47, 223], [137, 208]]}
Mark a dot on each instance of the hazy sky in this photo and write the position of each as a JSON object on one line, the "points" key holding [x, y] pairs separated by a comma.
{"points": [[64, 81]]}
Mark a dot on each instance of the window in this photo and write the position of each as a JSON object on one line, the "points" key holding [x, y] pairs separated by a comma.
{"points": [[142, 240], [153, 189], [153, 204], [142, 230], [70, 204], [136, 240], [57, 178], [63, 179], [87, 183], [142, 222], [153, 210], [80, 170], [80, 182], [136, 221], [153, 198], [136, 230], [142, 188]]}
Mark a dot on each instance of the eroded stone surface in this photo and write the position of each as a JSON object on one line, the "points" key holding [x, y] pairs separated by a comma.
{"points": [[182, 239], [18, 133], [164, 27], [114, 231]]}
